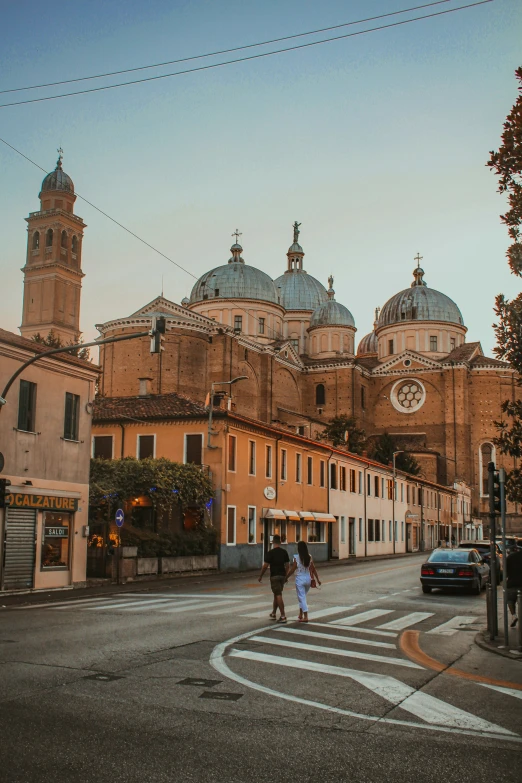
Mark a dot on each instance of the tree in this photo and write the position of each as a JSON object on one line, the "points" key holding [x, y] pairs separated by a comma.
{"points": [[382, 451], [507, 164], [53, 341], [343, 431]]}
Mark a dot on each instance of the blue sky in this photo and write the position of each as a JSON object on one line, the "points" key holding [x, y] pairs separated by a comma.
{"points": [[377, 144]]}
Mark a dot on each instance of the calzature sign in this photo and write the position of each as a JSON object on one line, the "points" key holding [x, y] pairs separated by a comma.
{"points": [[47, 502]]}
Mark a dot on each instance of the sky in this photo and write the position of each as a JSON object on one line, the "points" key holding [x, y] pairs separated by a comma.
{"points": [[376, 144]]}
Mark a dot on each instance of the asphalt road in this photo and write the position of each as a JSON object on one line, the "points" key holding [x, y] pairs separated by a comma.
{"points": [[190, 681]]}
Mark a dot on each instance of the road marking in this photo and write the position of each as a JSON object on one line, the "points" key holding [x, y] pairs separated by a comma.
{"points": [[331, 610], [362, 617], [252, 606], [422, 705], [262, 613], [335, 651], [217, 661], [501, 689], [337, 638], [196, 605], [358, 629], [404, 622], [130, 605], [372, 573], [457, 623], [409, 644]]}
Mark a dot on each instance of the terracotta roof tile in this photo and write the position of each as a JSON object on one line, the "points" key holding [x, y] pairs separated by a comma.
{"points": [[487, 361], [30, 345], [368, 362], [154, 406], [463, 353]]}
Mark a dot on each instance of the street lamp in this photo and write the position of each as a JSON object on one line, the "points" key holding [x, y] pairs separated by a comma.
{"points": [[211, 403], [401, 451]]}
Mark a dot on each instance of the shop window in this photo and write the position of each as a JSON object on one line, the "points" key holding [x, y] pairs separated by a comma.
{"points": [[251, 524], [297, 532], [55, 541], [102, 446], [194, 449], [71, 423], [36, 240], [322, 473], [251, 458], [261, 326], [49, 238], [283, 464], [316, 532], [333, 476], [433, 343], [145, 446], [310, 471], [232, 445], [370, 530], [268, 462], [320, 394], [298, 461], [27, 406], [231, 525]]}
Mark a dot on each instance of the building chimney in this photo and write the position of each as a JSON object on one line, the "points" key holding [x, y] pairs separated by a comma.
{"points": [[145, 389]]}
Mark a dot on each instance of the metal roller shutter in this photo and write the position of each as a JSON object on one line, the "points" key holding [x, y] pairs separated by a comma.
{"points": [[20, 535]]}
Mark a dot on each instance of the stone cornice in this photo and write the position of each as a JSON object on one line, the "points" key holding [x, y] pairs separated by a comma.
{"points": [[53, 213], [46, 267]]}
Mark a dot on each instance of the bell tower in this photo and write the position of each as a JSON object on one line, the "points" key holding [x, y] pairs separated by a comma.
{"points": [[53, 269]]}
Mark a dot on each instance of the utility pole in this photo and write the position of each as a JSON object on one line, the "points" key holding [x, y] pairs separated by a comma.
{"points": [[492, 479], [401, 451]]}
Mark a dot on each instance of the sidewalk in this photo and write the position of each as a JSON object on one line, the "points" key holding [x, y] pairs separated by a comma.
{"points": [[107, 587]]}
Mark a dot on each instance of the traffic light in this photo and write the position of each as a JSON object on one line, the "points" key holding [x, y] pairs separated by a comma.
{"points": [[497, 503], [4, 492], [159, 327]]}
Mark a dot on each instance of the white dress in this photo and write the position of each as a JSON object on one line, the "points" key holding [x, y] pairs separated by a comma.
{"points": [[302, 582]]}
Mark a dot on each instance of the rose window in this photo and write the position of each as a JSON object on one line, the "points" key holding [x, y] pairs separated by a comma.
{"points": [[408, 396]]}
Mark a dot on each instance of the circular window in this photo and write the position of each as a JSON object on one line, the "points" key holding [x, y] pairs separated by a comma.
{"points": [[407, 362], [408, 396]]}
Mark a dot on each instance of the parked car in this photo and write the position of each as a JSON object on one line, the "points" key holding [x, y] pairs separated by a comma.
{"points": [[454, 568], [511, 544], [484, 549]]}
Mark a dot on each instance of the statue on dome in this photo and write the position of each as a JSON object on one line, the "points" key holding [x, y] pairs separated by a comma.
{"points": [[296, 231]]}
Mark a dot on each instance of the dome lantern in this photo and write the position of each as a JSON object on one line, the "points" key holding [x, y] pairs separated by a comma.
{"points": [[299, 290], [331, 313]]}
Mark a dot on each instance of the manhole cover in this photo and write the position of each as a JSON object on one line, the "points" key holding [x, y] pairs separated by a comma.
{"points": [[199, 683]]}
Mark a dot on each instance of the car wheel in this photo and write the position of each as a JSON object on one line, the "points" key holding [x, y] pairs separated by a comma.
{"points": [[426, 589]]}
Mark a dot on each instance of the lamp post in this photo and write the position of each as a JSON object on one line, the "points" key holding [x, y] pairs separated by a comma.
{"points": [[401, 451], [211, 403]]}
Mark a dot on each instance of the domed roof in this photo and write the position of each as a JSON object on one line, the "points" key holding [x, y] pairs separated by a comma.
{"points": [[235, 280], [58, 179], [331, 313], [420, 303], [297, 289], [369, 343]]}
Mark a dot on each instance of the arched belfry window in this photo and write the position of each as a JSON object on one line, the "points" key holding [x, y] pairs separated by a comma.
{"points": [[64, 239], [320, 396], [49, 238], [74, 244], [486, 455], [36, 240]]}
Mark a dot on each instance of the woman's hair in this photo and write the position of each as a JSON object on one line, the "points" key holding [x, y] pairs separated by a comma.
{"points": [[304, 555]]}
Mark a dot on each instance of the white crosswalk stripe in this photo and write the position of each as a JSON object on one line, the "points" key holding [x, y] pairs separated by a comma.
{"points": [[363, 617], [457, 623], [405, 622], [350, 639]]}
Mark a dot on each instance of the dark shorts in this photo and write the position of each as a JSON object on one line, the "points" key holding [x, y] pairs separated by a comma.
{"points": [[277, 584], [511, 596]]}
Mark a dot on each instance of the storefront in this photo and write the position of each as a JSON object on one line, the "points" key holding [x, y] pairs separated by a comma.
{"points": [[40, 537]]}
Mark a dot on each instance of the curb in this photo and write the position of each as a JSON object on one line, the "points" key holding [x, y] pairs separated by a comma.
{"points": [[486, 644]]}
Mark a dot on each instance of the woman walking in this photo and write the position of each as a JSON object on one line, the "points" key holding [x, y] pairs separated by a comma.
{"points": [[306, 572]]}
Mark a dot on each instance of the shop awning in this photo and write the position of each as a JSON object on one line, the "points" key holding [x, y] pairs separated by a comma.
{"points": [[273, 513], [293, 516], [307, 516], [320, 516]]}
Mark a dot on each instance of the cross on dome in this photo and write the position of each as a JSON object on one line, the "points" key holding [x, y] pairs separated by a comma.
{"points": [[60, 158], [237, 233], [418, 258]]}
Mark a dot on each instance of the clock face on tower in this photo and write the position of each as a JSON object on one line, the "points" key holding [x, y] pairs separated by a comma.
{"points": [[408, 395]]}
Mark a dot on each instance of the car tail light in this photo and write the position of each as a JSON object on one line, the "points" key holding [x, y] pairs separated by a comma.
{"points": [[465, 572], [427, 571]]}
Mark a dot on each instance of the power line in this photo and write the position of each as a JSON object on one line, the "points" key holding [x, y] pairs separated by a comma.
{"points": [[224, 51], [245, 59]]}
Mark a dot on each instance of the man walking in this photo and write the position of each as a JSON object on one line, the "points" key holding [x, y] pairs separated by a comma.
{"points": [[514, 582], [279, 563]]}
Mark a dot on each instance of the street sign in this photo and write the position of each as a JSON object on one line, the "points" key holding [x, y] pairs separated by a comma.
{"points": [[120, 517]]}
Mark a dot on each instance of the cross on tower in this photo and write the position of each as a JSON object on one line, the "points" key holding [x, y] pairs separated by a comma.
{"points": [[237, 233], [418, 259]]}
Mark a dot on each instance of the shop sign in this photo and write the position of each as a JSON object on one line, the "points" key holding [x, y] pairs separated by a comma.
{"points": [[56, 532], [47, 502]]}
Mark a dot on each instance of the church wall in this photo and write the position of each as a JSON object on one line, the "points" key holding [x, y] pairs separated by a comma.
{"points": [[337, 383]]}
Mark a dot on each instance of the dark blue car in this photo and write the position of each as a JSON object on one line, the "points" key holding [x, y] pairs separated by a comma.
{"points": [[454, 568]]}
